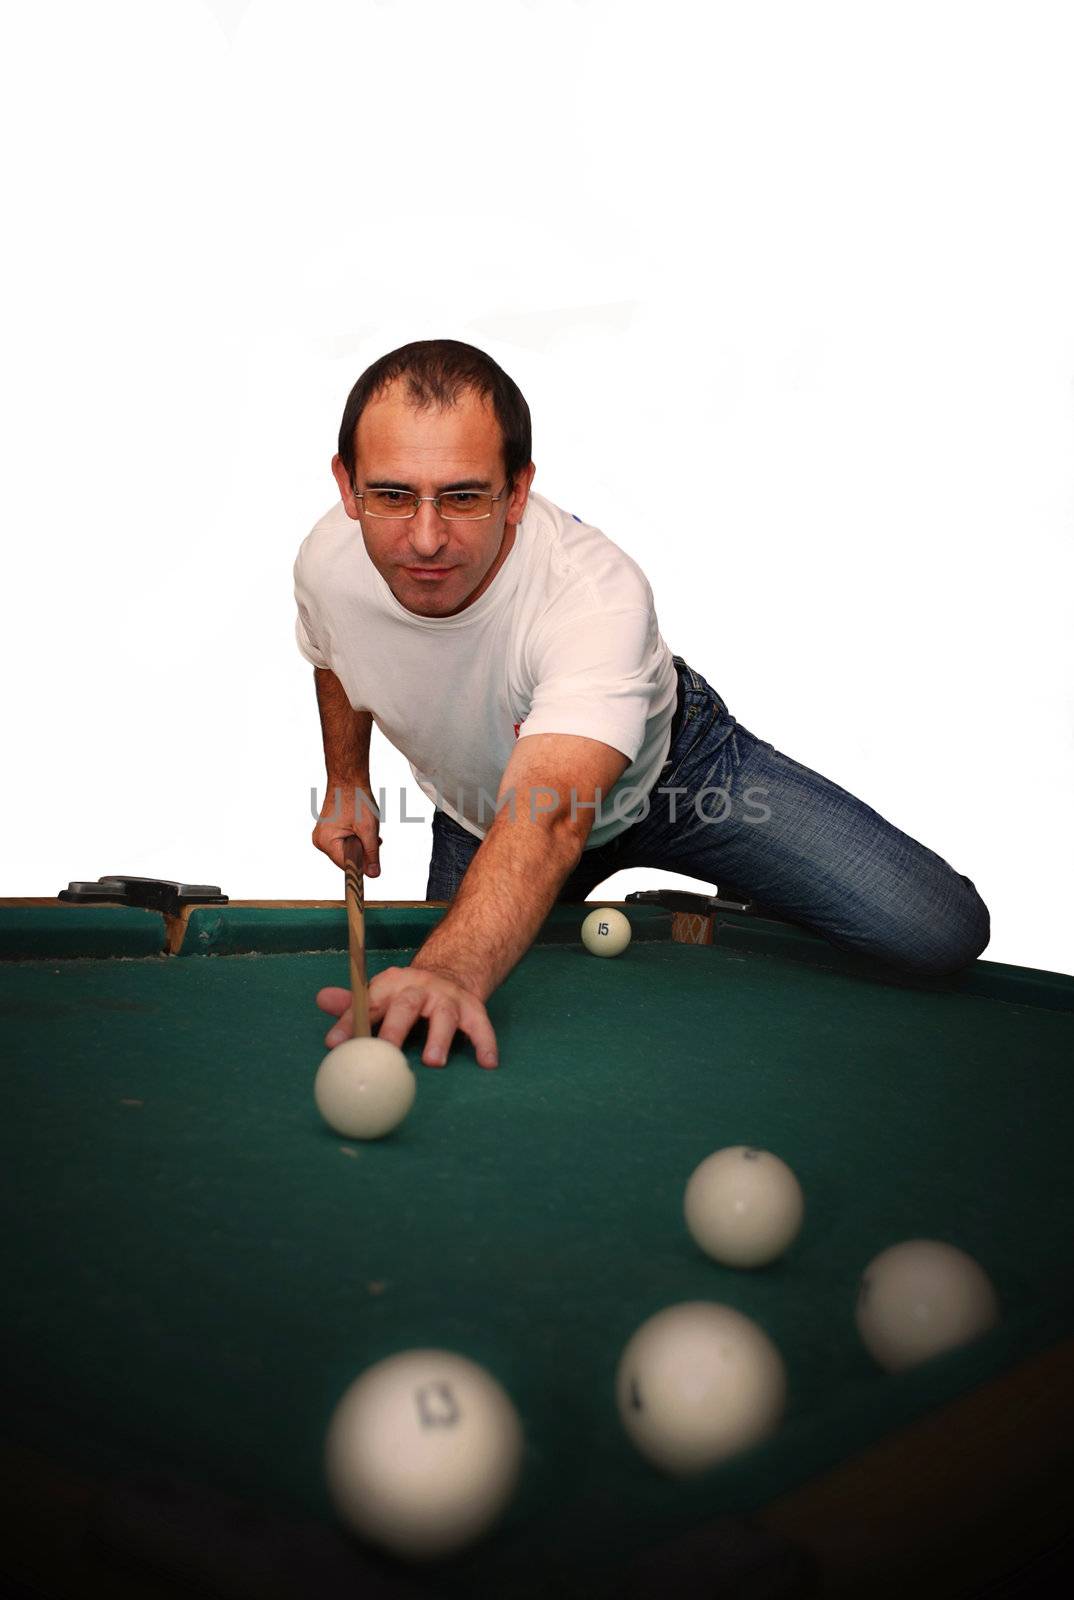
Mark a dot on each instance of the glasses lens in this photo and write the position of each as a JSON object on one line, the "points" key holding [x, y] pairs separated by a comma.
{"points": [[459, 504], [390, 502]]}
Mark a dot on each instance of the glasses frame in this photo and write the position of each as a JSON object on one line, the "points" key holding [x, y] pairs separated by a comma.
{"points": [[436, 499]]}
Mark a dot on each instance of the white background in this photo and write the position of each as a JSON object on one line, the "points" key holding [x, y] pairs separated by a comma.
{"points": [[815, 261]]}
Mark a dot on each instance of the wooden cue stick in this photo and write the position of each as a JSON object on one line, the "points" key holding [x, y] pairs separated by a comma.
{"points": [[353, 866]]}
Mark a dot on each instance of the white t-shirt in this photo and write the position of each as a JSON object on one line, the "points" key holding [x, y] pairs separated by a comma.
{"points": [[564, 640]]}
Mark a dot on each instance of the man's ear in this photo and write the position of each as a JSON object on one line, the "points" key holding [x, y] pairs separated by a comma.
{"points": [[346, 491], [516, 503]]}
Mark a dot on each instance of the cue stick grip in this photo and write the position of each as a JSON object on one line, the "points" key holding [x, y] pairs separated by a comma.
{"points": [[353, 867]]}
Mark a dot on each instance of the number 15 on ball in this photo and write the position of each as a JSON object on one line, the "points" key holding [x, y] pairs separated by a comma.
{"points": [[606, 932]]}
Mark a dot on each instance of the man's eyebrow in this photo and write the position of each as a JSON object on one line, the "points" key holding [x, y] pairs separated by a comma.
{"points": [[445, 488]]}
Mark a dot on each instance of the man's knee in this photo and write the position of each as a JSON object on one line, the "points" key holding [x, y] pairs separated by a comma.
{"points": [[948, 946]]}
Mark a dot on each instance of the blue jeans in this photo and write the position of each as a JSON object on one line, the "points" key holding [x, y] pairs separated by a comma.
{"points": [[790, 840]]}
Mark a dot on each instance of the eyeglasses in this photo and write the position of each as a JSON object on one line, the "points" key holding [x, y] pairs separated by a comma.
{"points": [[454, 505]]}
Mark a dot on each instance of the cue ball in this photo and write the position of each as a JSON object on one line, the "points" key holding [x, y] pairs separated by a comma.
{"points": [[696, 1384], [423, 1453], [743, 1207], [606, 932], [364, 1088], [919, 1298]]}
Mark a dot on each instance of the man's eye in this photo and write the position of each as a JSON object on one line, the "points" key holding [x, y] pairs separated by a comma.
{"points": [[461, 497]]}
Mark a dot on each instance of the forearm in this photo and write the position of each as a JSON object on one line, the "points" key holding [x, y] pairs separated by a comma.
{"points": [[509, 888], [344, 731]]}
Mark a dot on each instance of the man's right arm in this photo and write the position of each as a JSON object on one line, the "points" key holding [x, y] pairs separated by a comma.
{"points": [[345, 733]]}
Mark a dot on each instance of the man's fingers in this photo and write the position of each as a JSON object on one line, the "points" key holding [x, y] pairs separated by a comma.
{"points": [[443, 1021], [475, 1023], [397, 1009], [334, 1001], [446, 1019], [344, 1029], [400, 1015], [337, 1003]]}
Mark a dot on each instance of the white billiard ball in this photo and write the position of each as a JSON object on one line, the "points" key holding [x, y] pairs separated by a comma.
{"points": [[696, 1384], [743, 1207], [364, 1088], [606, 932], [423, 1453], [919, 1298]]}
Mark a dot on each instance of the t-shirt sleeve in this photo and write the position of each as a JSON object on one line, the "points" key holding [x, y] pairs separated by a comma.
{"points": [[303, 640], [597, 676], [305, 637]]}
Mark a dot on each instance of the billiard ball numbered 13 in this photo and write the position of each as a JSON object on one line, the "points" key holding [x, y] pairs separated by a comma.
{"points": [[423, 1453], [364, 1088], [606, 932], [743, 1207], [920, 1298], [697, 1383]]}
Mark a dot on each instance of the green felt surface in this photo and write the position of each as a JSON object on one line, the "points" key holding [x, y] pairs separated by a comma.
{"points": [[200, 1267], [65, 931]]}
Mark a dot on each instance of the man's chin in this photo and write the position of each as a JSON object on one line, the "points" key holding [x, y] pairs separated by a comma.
{"points": [[427, 599]]}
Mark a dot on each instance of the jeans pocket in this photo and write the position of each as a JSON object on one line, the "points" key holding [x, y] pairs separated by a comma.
{"points": [[697, 724]]}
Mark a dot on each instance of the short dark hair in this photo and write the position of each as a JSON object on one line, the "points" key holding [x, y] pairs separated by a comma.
{"points": [[437, 372]]}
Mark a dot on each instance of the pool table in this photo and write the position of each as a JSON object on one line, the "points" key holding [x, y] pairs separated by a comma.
{"points": [[198, 1267]]}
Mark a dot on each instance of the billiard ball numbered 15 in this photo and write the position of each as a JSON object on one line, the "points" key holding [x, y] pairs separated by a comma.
{"points": [[697, 1383], [364, 1088], [423, 1453], [743, 1207], [606, 932], [920, 1298]]}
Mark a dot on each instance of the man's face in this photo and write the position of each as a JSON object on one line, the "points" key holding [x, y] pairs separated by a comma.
{"points": [[434, 568]]}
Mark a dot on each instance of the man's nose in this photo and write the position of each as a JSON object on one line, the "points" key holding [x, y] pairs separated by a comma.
{"points": [[428, 530]]}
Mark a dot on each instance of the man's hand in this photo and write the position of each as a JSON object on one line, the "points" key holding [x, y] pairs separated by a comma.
{"points": [[348, 809], [399, 996]]}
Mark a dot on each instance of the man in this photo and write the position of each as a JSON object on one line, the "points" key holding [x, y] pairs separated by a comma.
{"points": [[512, 653]]}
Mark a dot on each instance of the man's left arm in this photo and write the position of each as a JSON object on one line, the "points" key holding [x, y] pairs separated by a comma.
{"points": [[548, 792], [546, 812]]}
